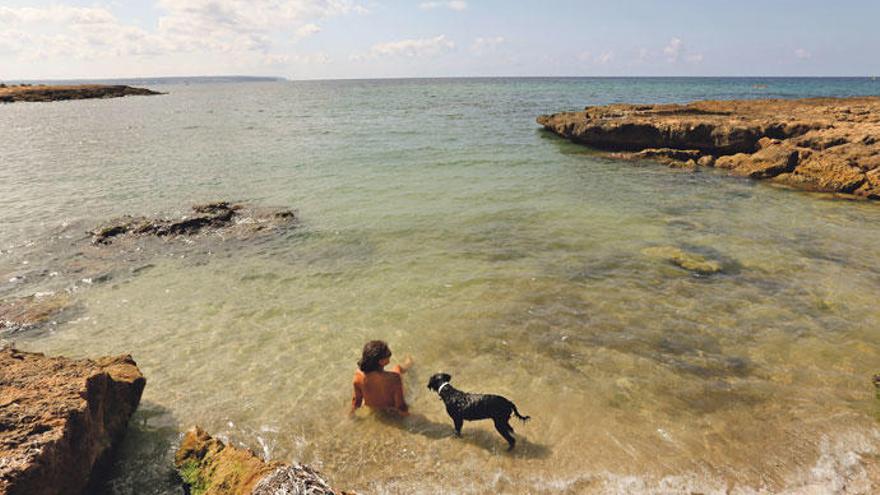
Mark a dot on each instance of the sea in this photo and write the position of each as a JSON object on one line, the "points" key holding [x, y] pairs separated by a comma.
{"points": [[437, 215]]}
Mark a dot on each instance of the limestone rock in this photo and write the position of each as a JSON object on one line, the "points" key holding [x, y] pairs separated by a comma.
{"points": [[27, 92], [27, 312], [210, 467], [689, 261], [60, 418], [824, 144]]}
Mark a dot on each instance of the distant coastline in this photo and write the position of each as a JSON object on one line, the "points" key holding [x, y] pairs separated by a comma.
{"points": [[43, 93], [149, 81]]}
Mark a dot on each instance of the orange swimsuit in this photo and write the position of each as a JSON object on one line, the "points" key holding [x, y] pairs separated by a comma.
{"points": [[379, 390]]}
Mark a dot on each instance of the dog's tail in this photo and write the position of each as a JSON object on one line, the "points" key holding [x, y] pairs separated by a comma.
{"points": [[518, 415]]}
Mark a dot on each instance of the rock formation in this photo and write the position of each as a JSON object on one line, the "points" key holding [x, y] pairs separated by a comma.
{"points": [[60, 418], [210, 467], [225, 217], [23, 92], [24, 313], [822, 144]]}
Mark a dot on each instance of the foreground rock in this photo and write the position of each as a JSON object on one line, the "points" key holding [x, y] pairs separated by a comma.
{"points": [[210, 467], [689, 261], [823, 144], [60, 418], [220, 217], [12, 94]]}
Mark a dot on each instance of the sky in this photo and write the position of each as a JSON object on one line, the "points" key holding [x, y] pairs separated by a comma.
{"points": [[328, 39]]}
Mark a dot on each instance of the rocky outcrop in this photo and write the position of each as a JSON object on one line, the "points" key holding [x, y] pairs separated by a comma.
{"points": [[210, 467], [823, 144], [28, 312], [60, 418], [12, 94], [219, 217]]}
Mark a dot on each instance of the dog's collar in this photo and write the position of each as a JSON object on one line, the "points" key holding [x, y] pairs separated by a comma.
{"points": [[441, 387]]}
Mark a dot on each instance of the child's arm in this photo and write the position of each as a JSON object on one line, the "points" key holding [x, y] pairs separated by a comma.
{"points": [[357, 397]]}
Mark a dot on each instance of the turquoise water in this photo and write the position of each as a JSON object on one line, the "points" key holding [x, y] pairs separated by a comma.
{"points": [[437, 215]]}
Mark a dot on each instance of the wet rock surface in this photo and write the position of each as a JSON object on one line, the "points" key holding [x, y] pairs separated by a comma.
{"points": [[210, 467], [220, 218], [12, 94], [41, 281], [60, 418], [28, 312], [822, 144], [692, 262]]}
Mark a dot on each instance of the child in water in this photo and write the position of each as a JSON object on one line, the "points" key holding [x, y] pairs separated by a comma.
{"points": [[375, 387]]}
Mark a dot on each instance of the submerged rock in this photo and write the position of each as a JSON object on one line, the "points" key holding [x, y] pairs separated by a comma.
{"points": [[210, 467], [689, 261], [60, 418], [27, 92], [220, 217], [24, 313], [823, 144]]}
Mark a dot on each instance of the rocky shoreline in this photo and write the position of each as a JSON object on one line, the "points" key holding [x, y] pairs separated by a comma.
{"points": [[33, 93], [61, 418], [820, 144], [208, 466]]}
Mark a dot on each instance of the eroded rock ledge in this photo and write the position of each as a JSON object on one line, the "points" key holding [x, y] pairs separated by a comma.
{"points": [[60, 417], [822, 144], [12, 94], [220, 217], [210, 467]]}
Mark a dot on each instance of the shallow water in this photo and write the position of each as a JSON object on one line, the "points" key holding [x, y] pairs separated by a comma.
{"points": [[436, 215]]}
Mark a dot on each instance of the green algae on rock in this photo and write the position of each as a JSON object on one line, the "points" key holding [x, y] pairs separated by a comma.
{"points": [[210, 467], [689, 261]]}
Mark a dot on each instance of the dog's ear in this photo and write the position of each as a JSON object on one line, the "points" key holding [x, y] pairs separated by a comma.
{"points": [[446, 377]]}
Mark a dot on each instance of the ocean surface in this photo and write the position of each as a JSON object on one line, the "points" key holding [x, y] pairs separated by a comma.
{"points": [[437, 215]]}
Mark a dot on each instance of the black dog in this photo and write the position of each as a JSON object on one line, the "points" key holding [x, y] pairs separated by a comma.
{"points": [[464, 406]]}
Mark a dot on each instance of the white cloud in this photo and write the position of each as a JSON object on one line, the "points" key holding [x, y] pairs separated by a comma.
{"points": [[307, 30], [222, 28], [421, 47], [675, 51], [605, 57], [458, 5], [802, 54], [485, 45]]}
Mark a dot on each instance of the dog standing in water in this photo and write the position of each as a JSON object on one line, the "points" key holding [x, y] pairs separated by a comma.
{"points": [[463, 406]]}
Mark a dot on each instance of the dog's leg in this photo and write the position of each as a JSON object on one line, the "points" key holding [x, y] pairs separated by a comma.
{"points": [[458, 424], [504, 429]]}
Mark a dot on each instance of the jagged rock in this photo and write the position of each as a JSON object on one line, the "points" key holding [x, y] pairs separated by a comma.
{"points": [[689, 261], [825, 144], [210, 467], [11, 94], [222, 216], [28, 312], [60, 418]]}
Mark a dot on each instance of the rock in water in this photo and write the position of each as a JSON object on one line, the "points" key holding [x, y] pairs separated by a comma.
{"points": [[60, 419], [689, 261], [823, 144], [210, 467]]}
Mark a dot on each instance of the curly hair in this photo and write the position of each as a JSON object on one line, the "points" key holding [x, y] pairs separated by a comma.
{"points": [[374, 351]]}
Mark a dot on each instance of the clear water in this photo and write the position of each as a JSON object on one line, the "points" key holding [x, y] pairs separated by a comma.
{"points": [[438, 216]]}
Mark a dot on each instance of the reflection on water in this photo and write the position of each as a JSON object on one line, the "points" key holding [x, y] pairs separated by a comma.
{"points": [[512, 261]]}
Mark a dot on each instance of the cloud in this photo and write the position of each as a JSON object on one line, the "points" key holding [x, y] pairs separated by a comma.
{"points": [[605, 57], [421, 47], [802, 54], [675, 51], [457, 5], [307, 30], [484, 45], [204, 27]]}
